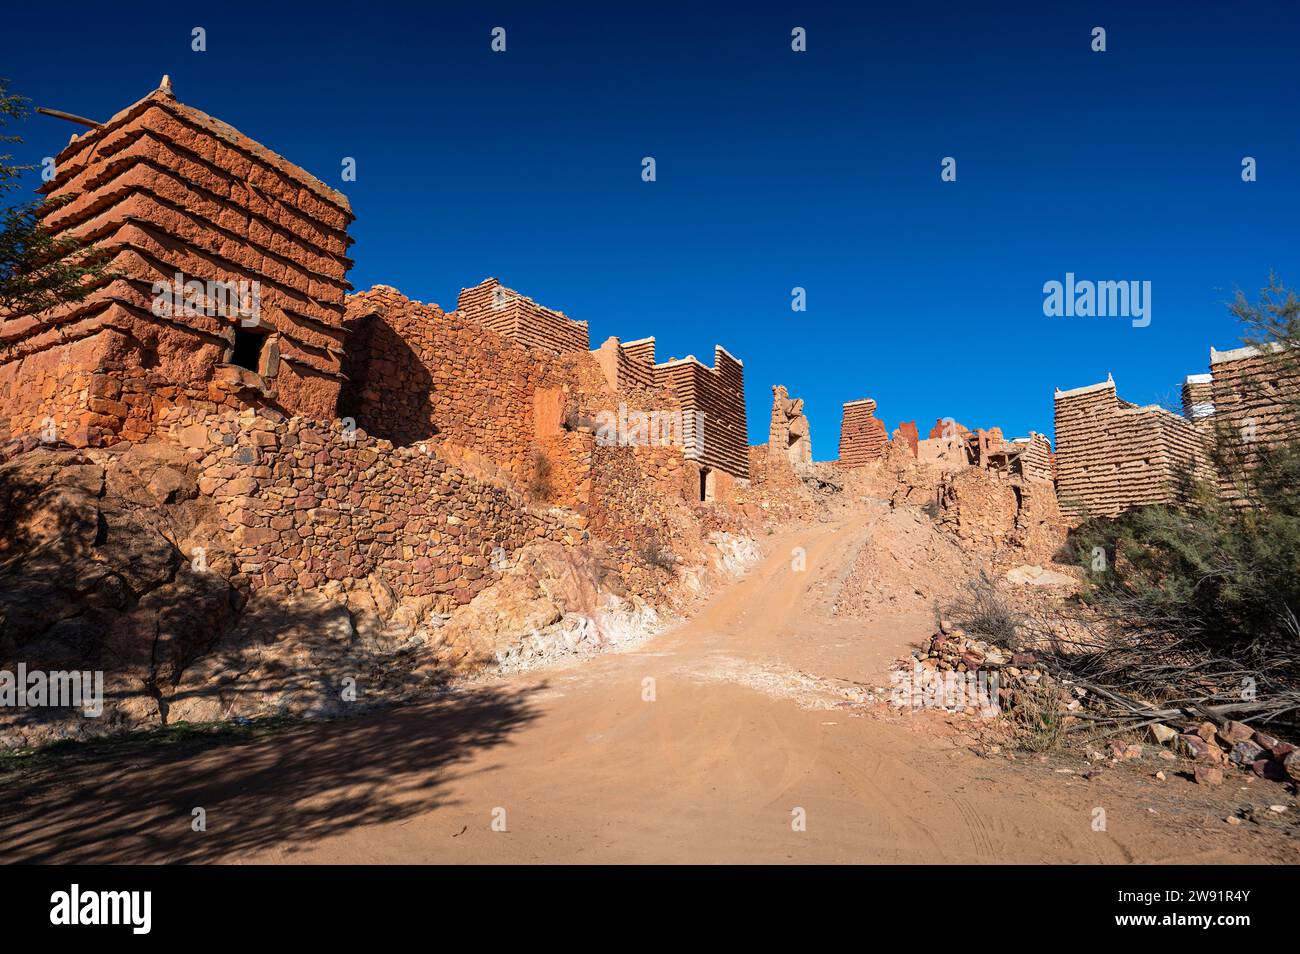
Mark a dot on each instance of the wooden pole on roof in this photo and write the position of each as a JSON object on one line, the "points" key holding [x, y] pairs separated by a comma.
{"points": [[60, 114]]}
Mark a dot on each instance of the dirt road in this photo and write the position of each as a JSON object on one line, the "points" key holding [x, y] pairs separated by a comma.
{"points": [[706, 744]]}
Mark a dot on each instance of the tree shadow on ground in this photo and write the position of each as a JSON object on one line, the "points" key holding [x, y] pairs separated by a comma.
{"points": [[133, 802]]}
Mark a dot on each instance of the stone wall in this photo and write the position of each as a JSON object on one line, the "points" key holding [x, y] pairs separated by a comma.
{"points": [[907, 432], [164, 189], [1112, 455], [1253, 395], [862, 435], [1036, 461], [789, 436], [716, 397], [417, 373], [304, 503], [629, 366], [517, 316]]}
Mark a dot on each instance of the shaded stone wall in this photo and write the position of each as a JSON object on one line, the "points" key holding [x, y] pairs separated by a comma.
{"points": [[1112, 455], [1254, 395], [517, 316], [862, 435], [165, 189], [417, 373], [303, 505]]}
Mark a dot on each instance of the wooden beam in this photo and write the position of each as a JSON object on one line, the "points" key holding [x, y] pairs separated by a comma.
{"points": [[60, 114]]}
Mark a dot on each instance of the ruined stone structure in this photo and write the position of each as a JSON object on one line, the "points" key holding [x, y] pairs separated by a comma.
{"points": [[714, 396], [257, 246], [1254, 394], [789, 436], [711, 400], [517, 316], [862, 434], [255, 249], [1113, 455], [945, 428], [908, 433], [1198, 397], [417, 373], [628, 365]]}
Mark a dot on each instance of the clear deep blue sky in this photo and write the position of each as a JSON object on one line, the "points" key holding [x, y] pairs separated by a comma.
{"points": [[775, 169]]}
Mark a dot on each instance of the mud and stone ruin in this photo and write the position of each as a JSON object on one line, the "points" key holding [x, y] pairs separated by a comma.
{"points": [[331, 428], [1113, 455], [256, 450], [230, 292], [790, 434], [224, 393], [862, 435], [202, 227]]}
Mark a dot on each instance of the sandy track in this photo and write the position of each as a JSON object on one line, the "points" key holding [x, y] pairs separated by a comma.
{"points": [[756, 712]]}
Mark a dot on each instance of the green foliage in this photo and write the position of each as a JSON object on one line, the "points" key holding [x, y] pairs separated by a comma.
{"points": [[37, 269], [1217, 576], [12, 106]]}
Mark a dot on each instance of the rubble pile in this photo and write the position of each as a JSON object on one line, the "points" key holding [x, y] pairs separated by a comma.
{"points": [[957, 672], [1233, 744]]}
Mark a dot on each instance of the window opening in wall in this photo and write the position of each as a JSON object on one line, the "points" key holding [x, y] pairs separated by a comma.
{"points": [[247, 350]]}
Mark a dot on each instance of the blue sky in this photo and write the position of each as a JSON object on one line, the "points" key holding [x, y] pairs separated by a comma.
{"points": [[775, 170]]}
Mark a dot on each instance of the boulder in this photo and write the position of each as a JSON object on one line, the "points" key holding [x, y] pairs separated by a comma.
{"points": [[1291, 765], [1208, 775], [1230, 733], [1162, 734], [1245, 754]]}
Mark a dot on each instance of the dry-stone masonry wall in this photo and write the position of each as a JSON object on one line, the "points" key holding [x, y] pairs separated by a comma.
{"points": [[305, 502]]}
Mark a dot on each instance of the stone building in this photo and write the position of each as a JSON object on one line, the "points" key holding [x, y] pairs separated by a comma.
{"points": [[229, 291], [862, 434], [1253, 395], [711, 400], [229, 270], [789, 436], [517, 316], [1112, 455]]}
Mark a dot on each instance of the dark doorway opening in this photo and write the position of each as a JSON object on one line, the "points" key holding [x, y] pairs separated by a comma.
{"points": [[247, 350], [706, 484]]}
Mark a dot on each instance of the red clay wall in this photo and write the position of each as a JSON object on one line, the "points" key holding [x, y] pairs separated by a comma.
{"points": [[862, 435], [165, 189], [417, 373], [517, 316]]}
